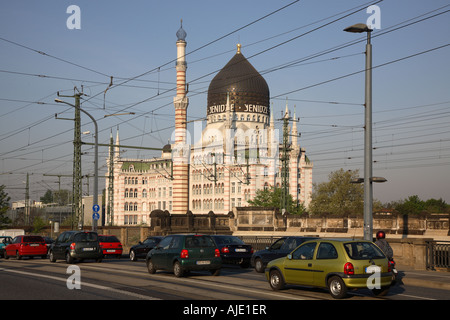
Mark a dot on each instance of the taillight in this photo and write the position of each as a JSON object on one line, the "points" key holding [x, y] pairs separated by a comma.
{"points": [[225, 250], [72, 246], [184, 254], [251, 250], [390, 266], [349, 269], [216, 253]]}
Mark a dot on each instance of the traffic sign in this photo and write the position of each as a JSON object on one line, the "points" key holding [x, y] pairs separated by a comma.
{"points": [[95, 216], [96, 208]]}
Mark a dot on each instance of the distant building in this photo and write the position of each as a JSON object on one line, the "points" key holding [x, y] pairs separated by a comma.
{"points": [[238, 154]]}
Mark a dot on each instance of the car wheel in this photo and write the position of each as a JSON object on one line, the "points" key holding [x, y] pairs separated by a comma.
{"points": [[133, 255], [381, 292], [177, 269], [215, 272], [69, 259], [5, 255], [276, 280], [150, 267], [51, 257], [259, 265], [18, 256], [337, 287]]}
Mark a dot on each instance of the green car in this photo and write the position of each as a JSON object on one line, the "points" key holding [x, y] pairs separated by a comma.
{"points": [[335, 264], [183, 253]]}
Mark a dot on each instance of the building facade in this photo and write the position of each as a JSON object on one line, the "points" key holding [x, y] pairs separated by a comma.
{"points": [[240, 151]]}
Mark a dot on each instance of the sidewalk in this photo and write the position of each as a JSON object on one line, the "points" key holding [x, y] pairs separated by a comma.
{"points": [[426, 278]]}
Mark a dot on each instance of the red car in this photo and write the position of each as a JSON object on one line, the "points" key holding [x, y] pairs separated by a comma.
{"points": [[110, 245], [26, 246]]}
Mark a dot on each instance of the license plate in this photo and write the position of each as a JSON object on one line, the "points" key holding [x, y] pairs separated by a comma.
{"points": [[373, 269], [34, 245], [88, 249], [203, 262], [110, 250], [241, 250]]}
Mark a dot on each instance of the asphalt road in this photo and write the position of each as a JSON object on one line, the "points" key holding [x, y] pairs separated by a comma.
{"points": [[121, 279]]}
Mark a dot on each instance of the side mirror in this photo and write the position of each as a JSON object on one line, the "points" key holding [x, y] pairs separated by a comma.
{"points": [[267, 248], [289, 256]]}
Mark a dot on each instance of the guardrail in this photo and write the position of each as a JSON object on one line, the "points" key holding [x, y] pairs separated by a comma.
{"points": [[438, 254], [258, 242]]}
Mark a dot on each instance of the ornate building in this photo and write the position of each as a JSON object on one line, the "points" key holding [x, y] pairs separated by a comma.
{"points": [[239, 152]]}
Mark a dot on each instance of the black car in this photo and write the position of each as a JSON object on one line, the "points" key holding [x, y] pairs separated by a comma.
{"points": [[76, 245], [141, 249], [278, 249], [233, 250]]}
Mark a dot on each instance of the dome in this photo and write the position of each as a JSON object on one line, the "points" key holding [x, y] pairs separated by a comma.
{"points": [[181, 34], [248, 90]]}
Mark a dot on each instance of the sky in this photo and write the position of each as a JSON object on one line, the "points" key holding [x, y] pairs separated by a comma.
{"points": [[299, 47]]}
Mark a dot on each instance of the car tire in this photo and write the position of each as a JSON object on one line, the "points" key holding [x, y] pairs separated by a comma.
{"points": [[5, 256], [150, 267], [215, 272], [381, 292], [69, 259], [177, 269], [276, 280], [133, 255], [259, 265], [18, 256], [337, 287], [51, 257]]}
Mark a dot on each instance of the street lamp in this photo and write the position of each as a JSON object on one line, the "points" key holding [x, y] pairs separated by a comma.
{"points": [[95, 200], [368, 188]]}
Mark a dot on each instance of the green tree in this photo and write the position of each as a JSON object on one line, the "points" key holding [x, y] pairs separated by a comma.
{"points": [[48, 197], [271, 198], [412, 205], [339, 195], [4, 206]]}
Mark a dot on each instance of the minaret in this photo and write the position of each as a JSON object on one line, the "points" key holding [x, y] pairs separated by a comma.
{"points": [[180, 149]]}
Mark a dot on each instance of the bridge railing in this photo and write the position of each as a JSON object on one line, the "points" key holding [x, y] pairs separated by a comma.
{"points": [[438, 254]]}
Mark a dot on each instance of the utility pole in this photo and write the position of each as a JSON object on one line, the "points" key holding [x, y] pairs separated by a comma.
{"points": [[27, 202], [77, 182], [285, 161], [110, 205]]}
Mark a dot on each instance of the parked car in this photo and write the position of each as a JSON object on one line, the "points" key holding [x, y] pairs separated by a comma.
{"points": [[337, 265], [48, 242], [26, 246], [111, 246], [280, 248], [233, 250], [141, 249], [183, 253], [76, 245], [4, 241]]}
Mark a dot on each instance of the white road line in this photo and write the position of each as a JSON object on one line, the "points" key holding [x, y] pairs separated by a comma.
{"points": [[135, 295]]}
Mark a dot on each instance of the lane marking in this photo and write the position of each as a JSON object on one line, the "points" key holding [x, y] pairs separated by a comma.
{"points": [[95, 286]]}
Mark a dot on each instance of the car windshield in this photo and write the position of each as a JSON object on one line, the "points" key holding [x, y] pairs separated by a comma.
{"points": [[85, 236], [108, 239], [228, 240], [198, 241], [363, 251]]}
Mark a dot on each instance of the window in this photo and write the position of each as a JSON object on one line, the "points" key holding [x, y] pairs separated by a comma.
{"points": [[326, 251], [304, 252]]}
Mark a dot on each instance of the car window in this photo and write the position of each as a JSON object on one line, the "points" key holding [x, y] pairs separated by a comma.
{"points": [[326, 251], [277, 244], [165, 242], [289, 244], [304, 252], [151, 241], [198, 241], [85, 236], [363, 251], [33, 239], [176, 243]]}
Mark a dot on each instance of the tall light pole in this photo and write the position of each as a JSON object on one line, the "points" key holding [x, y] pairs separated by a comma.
{"points": [[368, 187], [95, 200]]}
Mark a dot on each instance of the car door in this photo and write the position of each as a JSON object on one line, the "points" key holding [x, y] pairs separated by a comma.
{"points": [[325, 262], [159, 254], [60, 245], [298, 267], [273, 252]]}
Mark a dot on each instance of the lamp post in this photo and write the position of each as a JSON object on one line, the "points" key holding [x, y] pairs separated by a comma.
{"points": [[95, 200], [368, 188]]}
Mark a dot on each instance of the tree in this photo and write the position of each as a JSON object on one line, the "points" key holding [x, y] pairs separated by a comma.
{"points": [[271, 198], [339, 195], [412, 205], [48, 197], [4, 206]]}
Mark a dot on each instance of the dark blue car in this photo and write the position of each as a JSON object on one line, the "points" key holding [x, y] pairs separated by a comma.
{"points": [[280, 248], [233, 250]]}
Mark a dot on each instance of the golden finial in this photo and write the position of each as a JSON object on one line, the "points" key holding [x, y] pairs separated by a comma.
{"points": [[238, 48]]}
